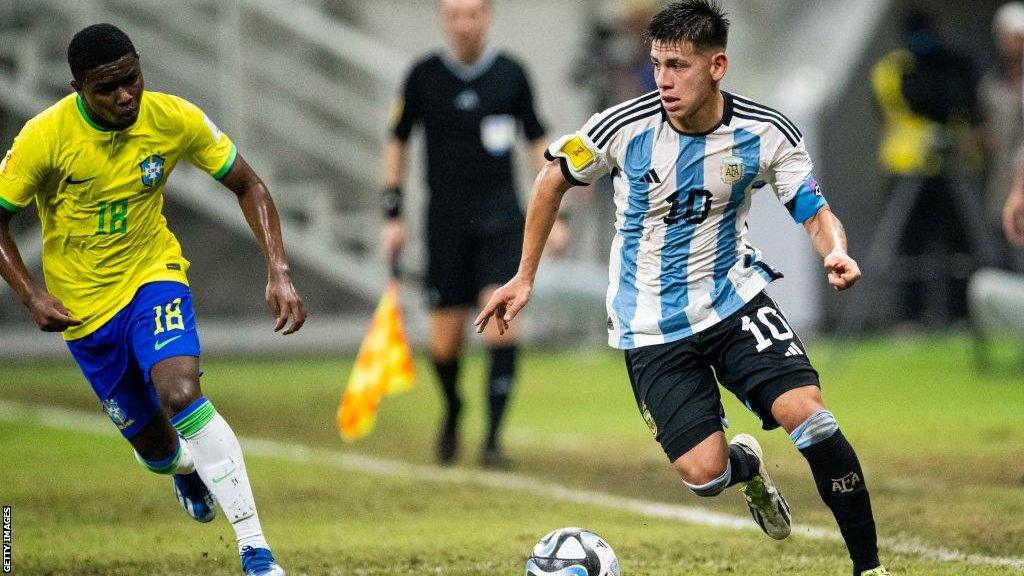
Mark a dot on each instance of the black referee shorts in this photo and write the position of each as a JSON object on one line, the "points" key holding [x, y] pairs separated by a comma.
{"points": [[464, 257], [754, 354]]}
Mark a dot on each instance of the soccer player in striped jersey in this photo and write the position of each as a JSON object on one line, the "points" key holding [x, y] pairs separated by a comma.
{"points": [[686, 297], [95, 164]]}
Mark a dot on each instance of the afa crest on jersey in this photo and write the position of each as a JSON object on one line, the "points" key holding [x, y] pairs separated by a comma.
{"points": [[152, 170], [732, 169], [117, 415]]}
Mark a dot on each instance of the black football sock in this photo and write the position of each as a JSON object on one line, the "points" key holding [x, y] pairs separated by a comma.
{"points": [[744, 464], [448, 377], [499, 387], [840, 482]]}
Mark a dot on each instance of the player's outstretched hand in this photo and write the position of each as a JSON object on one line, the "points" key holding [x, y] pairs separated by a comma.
{"points": [[843, 271], [50, 314], [284, 301], [504, 304]]}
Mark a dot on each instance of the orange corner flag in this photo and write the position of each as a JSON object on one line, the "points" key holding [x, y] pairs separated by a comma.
{"points": [[383, 367]]}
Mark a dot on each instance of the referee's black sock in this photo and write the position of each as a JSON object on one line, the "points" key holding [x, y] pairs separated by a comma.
{"points": [[499, 387], [840, 482], [448, 439], [448, 377]]}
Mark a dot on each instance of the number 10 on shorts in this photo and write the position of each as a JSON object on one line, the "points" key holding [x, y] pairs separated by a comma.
{"points": [[764, 316]]}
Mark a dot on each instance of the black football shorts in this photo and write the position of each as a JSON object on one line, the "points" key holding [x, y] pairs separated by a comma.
{"points": [[754, 354]]}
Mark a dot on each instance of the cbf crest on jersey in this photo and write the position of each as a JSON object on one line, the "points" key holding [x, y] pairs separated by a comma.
{"points": [[732, 169], [117, 415], [152, 170]]}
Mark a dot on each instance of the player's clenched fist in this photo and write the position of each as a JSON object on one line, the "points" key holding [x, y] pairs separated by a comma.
{"points": [[843, 271], [49, 314], [504, 304]]}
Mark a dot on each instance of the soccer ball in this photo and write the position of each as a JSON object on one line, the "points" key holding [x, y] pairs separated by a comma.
{"points": [[572, 552]]}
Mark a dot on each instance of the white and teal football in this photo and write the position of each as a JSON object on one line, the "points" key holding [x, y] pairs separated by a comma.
{"points": [[572, 552]]}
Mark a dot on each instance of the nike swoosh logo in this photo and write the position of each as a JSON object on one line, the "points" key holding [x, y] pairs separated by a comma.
{"points": [[160, 345], [71, 180], [217, 479]]}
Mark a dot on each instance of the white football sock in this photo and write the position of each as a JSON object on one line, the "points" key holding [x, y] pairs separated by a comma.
{"points": [[218, 460], [186, 465]]}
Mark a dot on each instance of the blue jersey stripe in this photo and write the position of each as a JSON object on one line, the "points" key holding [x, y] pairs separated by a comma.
{"points": [[724, 297], [637, 164], [675, 255]]}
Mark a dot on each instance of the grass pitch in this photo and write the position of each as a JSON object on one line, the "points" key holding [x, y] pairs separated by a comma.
{"points": [[942, 447]]}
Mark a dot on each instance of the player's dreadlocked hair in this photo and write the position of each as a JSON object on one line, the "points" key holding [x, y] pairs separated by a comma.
{"points": [[97, 45], [700, 22]]}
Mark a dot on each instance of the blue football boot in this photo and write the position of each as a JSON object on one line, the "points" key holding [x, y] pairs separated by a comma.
{"points": [[194, 497], [259, 562]]}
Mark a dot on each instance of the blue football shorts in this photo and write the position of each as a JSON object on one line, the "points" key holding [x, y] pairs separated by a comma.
{"points": [[159, 323]]}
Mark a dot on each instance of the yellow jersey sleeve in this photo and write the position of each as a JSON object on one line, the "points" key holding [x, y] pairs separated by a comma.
{"points": [[207, 148], [25, 167]]}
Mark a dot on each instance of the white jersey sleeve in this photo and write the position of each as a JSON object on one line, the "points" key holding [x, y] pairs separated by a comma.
{"points": [[789, 171], [583, 162], [594, 150]]}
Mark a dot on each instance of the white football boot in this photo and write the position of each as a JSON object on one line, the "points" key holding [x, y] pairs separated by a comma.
{"points": [[767, 505]]}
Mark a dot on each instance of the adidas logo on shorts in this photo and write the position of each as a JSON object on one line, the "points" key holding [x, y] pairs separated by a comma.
{"points": [[794, 350]]}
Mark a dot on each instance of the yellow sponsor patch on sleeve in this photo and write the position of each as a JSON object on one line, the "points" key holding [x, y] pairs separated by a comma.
{"points": [[579, 155], [8, 165]]}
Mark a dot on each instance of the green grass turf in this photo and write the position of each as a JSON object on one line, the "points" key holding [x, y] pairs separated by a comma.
{"points": [[941, 446]]}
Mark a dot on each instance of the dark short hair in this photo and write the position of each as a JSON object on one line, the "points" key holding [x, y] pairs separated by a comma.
{"points": [[97, 45], [700, 22]]}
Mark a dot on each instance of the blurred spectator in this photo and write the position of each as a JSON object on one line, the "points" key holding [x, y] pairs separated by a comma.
{"points": [[997, 296], [1000, 98], [616, 64], [927, 92]]}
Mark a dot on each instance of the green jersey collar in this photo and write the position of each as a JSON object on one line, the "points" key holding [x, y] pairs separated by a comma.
{"points": [[93, 123], [85, 115]]}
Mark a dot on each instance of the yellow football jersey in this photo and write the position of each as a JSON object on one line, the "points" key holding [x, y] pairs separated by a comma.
{"points": [[99, 194]]}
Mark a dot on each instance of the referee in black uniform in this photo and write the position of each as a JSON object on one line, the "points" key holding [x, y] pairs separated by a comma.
{"points": [[471, 101]]}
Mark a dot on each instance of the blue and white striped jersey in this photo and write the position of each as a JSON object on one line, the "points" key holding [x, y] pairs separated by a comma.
{"points": [[680, 261]]}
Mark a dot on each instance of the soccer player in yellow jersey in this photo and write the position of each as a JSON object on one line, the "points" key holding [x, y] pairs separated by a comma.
{"points": [[96, 164]]}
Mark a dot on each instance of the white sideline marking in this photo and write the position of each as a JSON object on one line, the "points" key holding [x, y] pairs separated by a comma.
{"points": [[79, 421]]}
